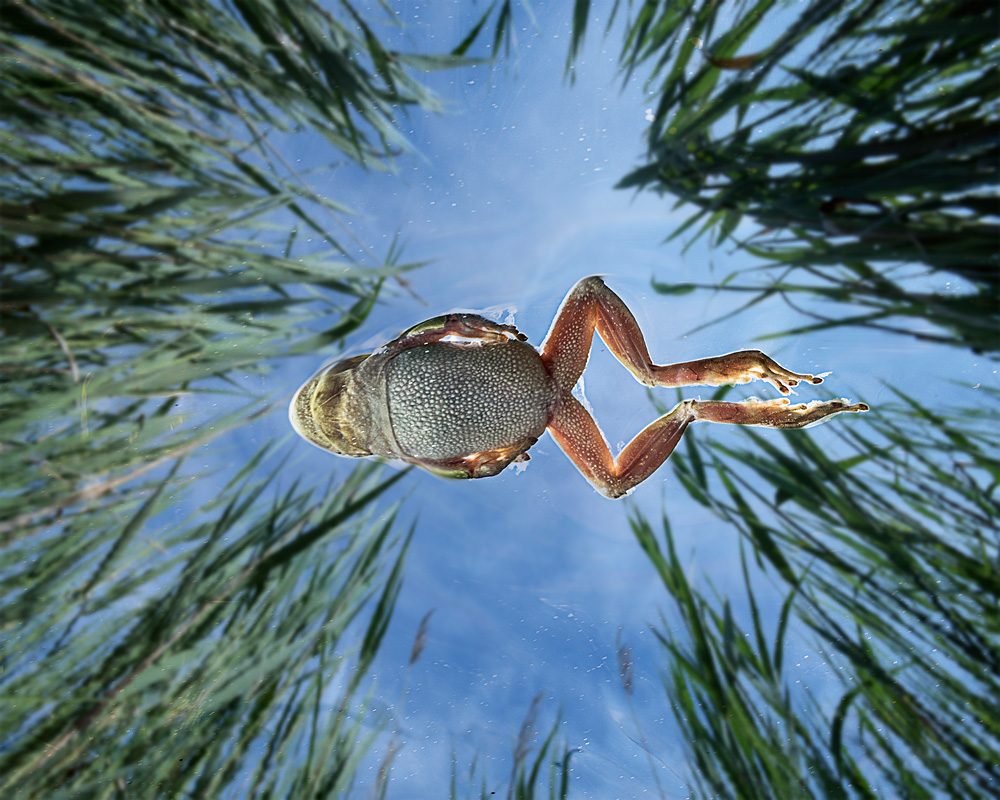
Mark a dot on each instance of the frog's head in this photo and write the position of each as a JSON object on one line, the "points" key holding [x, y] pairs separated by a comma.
{"points": [[319, 411]]}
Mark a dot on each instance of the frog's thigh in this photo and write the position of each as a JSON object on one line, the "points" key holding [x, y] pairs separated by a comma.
{"points": [[591, 306], [577, 434]]}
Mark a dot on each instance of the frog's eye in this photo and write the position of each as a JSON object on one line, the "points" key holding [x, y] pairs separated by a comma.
{"points": [[344, 366]]}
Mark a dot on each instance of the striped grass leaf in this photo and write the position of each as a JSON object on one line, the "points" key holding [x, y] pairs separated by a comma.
{"points": [[254, 614]]}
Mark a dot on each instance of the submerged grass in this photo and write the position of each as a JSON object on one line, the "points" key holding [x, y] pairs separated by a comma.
{"points": [[140, 265], [537, 770], [863, 138], [891, 556], [206, 657], [151, 262]]}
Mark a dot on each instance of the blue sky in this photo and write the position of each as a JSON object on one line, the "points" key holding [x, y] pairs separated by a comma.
{"points": [[509, 197]]}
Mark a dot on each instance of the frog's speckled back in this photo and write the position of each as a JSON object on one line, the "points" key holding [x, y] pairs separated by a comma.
{"points": [[448, 400]]}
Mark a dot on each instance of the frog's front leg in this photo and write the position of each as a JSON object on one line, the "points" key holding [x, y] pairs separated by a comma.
{"points": [[591, 306], [463, 326], [577, 434], [477, 465]]}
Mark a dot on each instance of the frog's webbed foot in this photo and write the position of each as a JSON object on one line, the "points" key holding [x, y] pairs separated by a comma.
{"points": [[577, 434], [778, 413], [735, 368]]}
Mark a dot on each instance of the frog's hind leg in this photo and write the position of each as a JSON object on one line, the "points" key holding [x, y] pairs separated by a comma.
{"points": [[779, 413], [577, 434], [580, 439], [591, 306]]}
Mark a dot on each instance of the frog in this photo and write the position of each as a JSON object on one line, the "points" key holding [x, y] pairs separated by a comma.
{"points": [[462, 396]]}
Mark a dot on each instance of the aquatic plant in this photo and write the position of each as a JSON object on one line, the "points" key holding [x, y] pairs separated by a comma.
{"points": [[890, 561], [860, 139], [158, 643]]}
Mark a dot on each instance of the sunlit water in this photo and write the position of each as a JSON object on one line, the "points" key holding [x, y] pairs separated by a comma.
{"points": [[533, 577]]}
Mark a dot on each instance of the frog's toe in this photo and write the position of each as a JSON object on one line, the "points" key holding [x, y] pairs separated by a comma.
{"points": [[804, 415], [783, 379], [767, 369]]}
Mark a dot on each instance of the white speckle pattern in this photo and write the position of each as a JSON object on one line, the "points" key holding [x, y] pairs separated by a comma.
{"points": [[449, 400]]}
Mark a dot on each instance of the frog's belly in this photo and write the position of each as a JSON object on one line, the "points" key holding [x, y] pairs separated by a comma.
{"points": [[449, 400]]}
